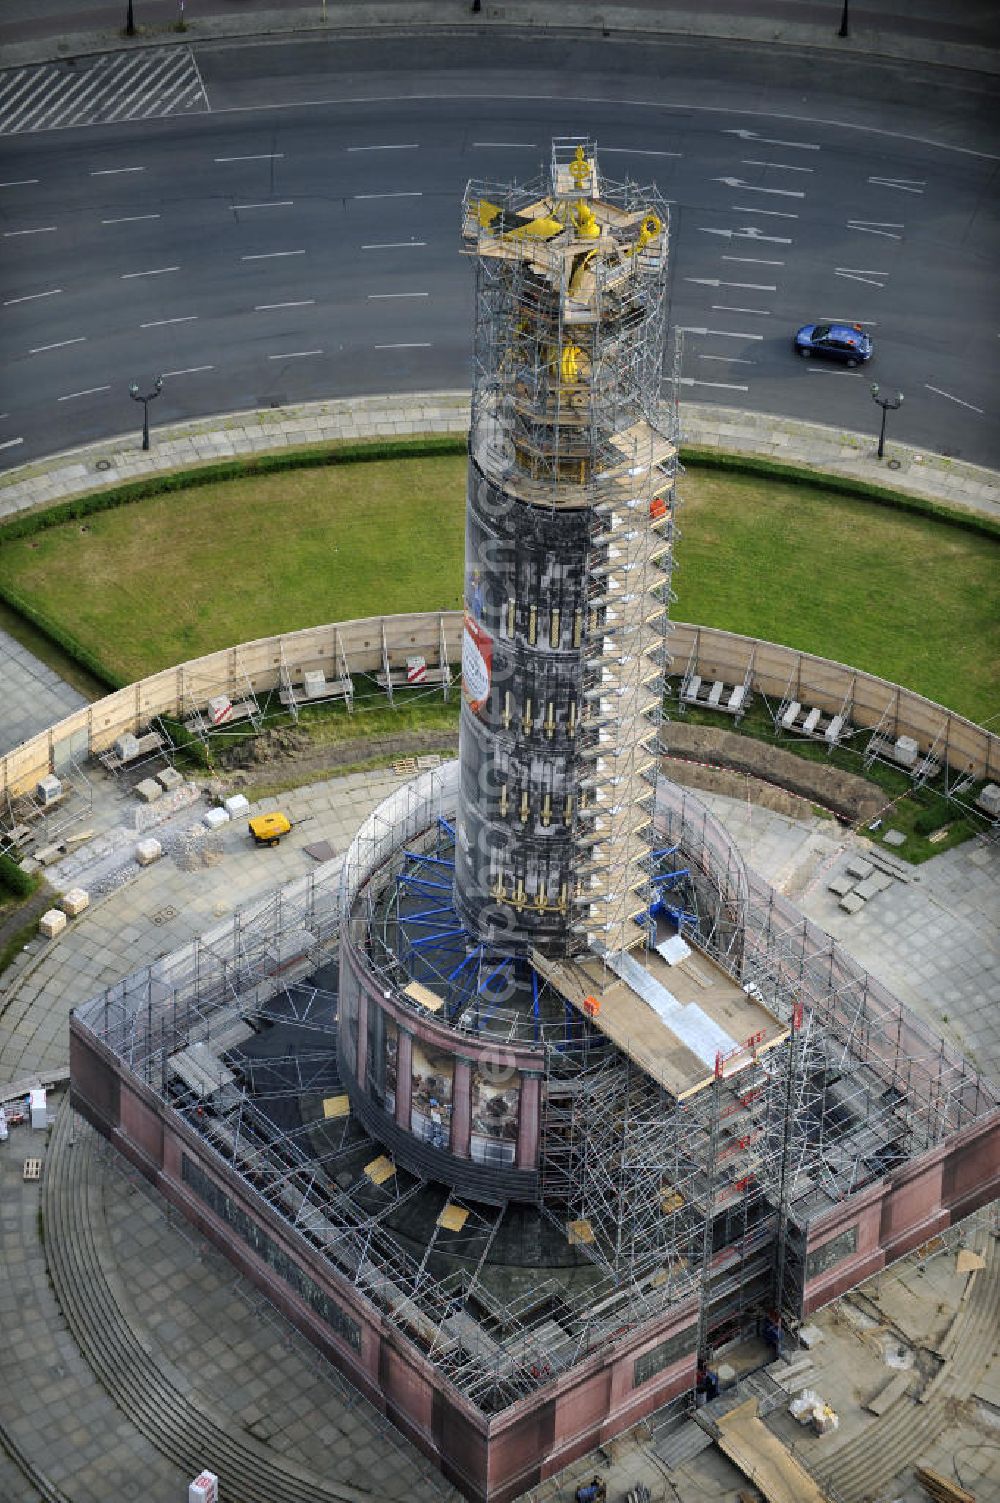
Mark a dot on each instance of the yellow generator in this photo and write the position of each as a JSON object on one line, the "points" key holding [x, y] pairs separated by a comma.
{"points": [[267, 829]]}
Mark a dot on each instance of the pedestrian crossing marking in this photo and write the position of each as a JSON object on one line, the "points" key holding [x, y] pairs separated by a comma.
{"points": [[140, 85]]}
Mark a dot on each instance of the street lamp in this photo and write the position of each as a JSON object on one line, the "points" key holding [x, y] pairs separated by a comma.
{"points": [[145, 398], [886, 403], [844, 29], [129, 21]]}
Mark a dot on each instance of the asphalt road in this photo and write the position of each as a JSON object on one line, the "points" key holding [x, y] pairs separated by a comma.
{"points": [[293, 232]]}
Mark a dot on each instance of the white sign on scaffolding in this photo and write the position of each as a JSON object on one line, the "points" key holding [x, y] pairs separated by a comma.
{"points": [[204, 1488]]}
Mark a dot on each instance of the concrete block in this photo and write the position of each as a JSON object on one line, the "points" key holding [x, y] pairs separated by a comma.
{"points": [[905, 751], [841, 885], [859, 868], [51, 923], [989, 800], [149, 790], [852, 903], [214, 819], [74, 901], [894, 837], [237, 804], [869, 887], [169, 778], [148, 851]]}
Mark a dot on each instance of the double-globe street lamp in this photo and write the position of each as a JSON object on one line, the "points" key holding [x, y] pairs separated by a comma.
{"points": [[886, 403], [145, 398]]}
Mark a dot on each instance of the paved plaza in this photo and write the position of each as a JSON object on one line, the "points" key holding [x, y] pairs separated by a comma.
{"points": [[32, 696]]}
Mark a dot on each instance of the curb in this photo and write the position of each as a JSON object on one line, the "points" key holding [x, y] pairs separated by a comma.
{"points": [[815, 446], [612, 22]]}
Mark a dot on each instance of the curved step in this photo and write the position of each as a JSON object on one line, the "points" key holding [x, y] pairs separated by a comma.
{"points": [[182, 1430], [865, 1465]]}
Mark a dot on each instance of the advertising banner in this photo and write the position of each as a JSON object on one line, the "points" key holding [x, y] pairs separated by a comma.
{"points": [[477, 664]]}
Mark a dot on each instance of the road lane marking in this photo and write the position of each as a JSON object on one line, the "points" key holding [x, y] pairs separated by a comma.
{"points": [[826, 370], [782, 166], [882, 227], [747, 286], [41, 348], [406, 193], [636, 151], [158, 323], [403, 146], [415, 346], [718, 385], [157, 271], [751, 135], [189, 370], [513, 145], [11, 443], [719, 333], [114, 171], [751, 260], [263, 156], [44, 229], [394, 245], [294, 354], [771, 213], [375, 297], [831, 318], [21, 182], [308, 302], [727, 308], [729, 359], [904, 184], [939, 393], [857, 274], [130, 219], [88, 391], [277, 203], [31, 296], [272, 255]]}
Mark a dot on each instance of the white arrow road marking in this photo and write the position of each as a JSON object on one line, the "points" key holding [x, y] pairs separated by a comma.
{"points": [[11, 443], [739, 182], [751, 135], [749, 286], [870, 278], [876, 227], [904, 184], [748, 232], [719, 333], [718, 385], [939, 393]]}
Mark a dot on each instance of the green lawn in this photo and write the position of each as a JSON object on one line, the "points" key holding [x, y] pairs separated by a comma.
{"points": [[165, 579]]}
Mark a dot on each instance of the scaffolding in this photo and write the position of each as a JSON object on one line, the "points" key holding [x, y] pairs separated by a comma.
{"points": [[699, 1207], [569, 341]]}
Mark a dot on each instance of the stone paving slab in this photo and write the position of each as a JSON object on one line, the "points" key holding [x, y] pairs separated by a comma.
{"points": [[32, 695], [815, 446]]}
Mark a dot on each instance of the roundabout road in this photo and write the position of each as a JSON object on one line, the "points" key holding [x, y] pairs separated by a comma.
{"points": [[292, 232]]}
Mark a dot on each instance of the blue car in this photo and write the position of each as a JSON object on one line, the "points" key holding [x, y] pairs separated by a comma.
{"points": [[845, 342]]}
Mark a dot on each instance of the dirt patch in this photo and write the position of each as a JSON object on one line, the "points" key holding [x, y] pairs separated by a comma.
{"points": [[701, 756], [851, 797], [290, 753]]}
